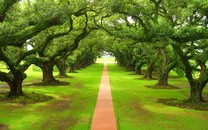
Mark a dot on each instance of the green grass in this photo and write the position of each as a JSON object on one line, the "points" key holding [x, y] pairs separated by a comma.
{"points": [[136, 106], [72, 106]]}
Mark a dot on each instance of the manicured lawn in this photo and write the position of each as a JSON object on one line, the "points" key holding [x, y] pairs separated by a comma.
{"points": [[136, 106], [72, 106]]}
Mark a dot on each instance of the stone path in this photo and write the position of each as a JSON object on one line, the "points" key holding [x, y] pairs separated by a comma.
{"points": [[104, 117]]}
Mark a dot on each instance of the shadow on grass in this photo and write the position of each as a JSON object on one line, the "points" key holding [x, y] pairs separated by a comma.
{"points": [[26, 98], [64, 77], [202, 106], [3, 127], [55, 83], [170, 87], [59, 122], [145, 78]]}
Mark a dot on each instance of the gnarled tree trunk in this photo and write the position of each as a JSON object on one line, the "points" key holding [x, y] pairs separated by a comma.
{"points": [[15, 85], [138, 68], [165, 69], [196, 85], [196, 94], [149, 71], [163, 79], [61, 65], [151, 67], [72, 68], [47, 69]]}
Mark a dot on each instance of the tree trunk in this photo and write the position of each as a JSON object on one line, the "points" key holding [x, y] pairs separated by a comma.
{"points": [[165, 68], [61, 65], [196, 86], [163, 79], [138, 68], [196, 94], [151, 66], [72, 69], [62, 72], [149, 71], [131, 68], [163, 75], [47, 69], [16, 85]]}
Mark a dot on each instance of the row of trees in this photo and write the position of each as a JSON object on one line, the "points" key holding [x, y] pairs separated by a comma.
{"points": [[164, 35], [44, 33]]}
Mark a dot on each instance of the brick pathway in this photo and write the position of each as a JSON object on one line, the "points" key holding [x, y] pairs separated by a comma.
{"points": [[104, 117]]}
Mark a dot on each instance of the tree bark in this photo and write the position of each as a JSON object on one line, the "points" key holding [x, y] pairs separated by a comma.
{"points": [[149, 71], [16, 85], [138, 68], [47, 69], [196, 94], [151, 66], [72, 69], [196, 86], [61, 65], [163, 79], [163, 76], [165, 69]]}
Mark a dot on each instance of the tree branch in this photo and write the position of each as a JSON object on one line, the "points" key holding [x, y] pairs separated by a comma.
{"points": [[4, 77], [19, 39]]}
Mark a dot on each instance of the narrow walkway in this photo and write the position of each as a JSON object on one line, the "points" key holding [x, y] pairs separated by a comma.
{"points": [[104, 117]]}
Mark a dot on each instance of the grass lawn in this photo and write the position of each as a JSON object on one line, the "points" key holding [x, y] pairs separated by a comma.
{"points": [[72, 106], [136, 106]]}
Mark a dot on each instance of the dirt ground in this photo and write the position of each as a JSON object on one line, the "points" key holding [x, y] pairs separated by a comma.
{"points": [[3, 127]]}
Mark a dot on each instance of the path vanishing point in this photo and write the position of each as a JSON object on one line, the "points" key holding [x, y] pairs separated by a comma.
{"points": [[104, 117]]}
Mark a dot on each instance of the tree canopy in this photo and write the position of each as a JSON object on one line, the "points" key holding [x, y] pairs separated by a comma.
{"points": [[164, 35]]}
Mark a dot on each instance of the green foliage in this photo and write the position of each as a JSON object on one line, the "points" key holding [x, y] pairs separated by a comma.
{"points": [[179, 72], [36, 68]]}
